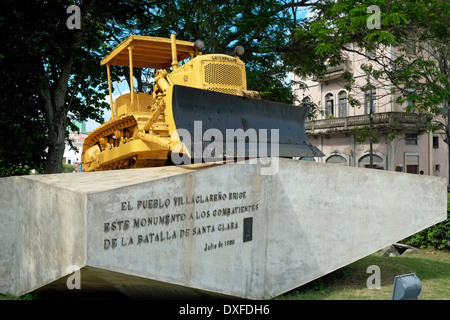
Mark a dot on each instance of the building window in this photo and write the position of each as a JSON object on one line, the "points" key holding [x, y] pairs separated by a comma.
{"points": [[377, 161], [308, 159], [337, 159], [412, 163], [410, 45], [343, 104], [435, 142], [370, 94], [411, 139], [329, 105]]}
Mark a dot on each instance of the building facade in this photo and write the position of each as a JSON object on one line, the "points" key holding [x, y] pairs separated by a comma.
{"points": [[404, 144], [72, 156]]}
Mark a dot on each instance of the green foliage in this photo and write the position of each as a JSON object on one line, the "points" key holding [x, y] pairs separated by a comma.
{"points": [[50, 74], [420, 75], [28, 296], [68, 168], [437, 236], [266, 75], [22, 127], [7, 170], [262, 27], [365, 133]]}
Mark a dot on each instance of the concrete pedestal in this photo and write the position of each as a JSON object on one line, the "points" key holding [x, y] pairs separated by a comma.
{"points": [[226, 229]]}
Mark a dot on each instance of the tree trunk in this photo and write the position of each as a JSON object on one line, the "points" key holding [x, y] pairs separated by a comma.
{"points": [[57, 136], [56, 108]]}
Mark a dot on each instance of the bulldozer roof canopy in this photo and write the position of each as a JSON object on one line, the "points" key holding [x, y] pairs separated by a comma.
{"points": [[148, 52]]}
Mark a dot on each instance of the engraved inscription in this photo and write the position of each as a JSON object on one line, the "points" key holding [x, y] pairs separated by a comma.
{"points": [[156, 220]]}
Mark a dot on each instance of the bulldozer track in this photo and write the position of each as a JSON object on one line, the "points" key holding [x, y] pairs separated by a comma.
{"points": [[124, 129], [132, 162], [109, 128]]}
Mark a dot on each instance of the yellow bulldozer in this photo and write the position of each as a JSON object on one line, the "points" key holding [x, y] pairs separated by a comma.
{"points": [[191, 91]]}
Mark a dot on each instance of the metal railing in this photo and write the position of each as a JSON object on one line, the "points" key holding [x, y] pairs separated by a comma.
{"points": [[334, 72], [384, 119]]}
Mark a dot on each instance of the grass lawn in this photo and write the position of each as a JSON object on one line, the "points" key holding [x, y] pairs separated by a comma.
{"points": [[350, 282]]}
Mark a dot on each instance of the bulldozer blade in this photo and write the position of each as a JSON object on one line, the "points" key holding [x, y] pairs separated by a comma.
{"points": [[244, 127]]}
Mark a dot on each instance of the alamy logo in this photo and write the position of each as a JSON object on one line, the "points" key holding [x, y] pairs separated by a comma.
{"points": [[374, 281], [210, 145], [74, 21], [73, 281], [374, 21]]}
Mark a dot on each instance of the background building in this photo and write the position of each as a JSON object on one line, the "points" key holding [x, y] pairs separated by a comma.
{"points": [[412, 149], [72, 156]]}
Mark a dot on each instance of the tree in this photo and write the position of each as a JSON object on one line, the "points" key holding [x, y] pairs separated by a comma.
{"points": [[57, 67], [22, 127], [418, 29], [261, 27]]}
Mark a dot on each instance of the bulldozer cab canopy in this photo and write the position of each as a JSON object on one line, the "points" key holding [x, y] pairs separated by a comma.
{"points": [[148, 52]]}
